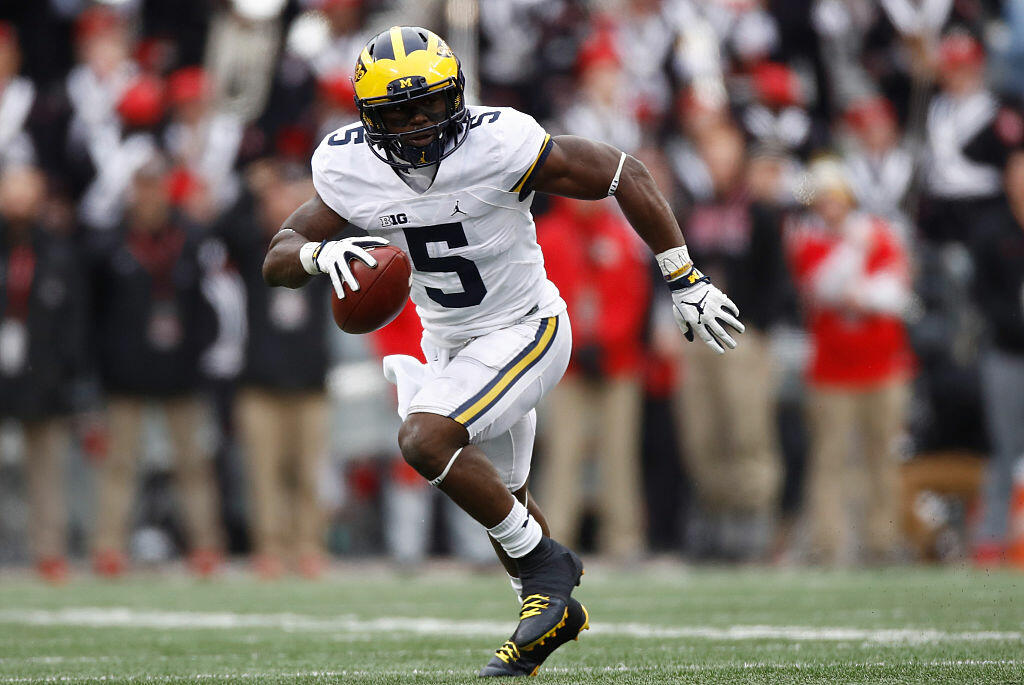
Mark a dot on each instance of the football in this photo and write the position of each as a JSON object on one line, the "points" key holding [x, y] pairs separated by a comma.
{"points": [[383, 291]]}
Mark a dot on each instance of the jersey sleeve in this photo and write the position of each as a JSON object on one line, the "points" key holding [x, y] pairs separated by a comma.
{"points": [[327, 177], [525, 146]]}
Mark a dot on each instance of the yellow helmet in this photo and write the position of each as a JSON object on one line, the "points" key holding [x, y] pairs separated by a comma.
{"points": [[398, 67]]}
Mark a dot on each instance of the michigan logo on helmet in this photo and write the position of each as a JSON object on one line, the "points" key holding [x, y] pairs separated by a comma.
{"points": [[401, 74]]}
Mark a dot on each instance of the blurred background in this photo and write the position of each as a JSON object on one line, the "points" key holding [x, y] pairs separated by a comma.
{"points": [[848, 171]]}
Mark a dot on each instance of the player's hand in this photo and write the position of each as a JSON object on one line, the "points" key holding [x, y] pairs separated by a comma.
{"points": [[704, 310], [334, 256]]}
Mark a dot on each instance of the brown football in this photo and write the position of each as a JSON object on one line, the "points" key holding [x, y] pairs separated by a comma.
{"points": [[383, 291]]}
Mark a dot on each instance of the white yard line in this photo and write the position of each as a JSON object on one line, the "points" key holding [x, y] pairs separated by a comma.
{"points": [[124, 617], [622, 668]]}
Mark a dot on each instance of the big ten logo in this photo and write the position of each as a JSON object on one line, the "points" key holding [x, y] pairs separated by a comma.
{"points": [[393, 220]]}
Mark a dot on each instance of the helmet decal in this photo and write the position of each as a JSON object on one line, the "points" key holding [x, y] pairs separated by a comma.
{"points": [[381, 47], [413, 39]]}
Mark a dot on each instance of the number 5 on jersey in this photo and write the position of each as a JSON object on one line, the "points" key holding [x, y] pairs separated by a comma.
{"points": [[453, 235]]}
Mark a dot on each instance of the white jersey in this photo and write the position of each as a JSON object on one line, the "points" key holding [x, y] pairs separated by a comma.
{"points": [[470, 236]]}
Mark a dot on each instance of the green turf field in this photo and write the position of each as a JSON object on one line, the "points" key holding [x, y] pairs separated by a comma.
{"points": [[662, 624]]}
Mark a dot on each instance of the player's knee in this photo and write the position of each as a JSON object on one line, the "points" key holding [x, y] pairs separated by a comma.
{"points": [[427, 443]]}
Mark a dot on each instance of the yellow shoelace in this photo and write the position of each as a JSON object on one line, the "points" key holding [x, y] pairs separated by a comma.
{"points": [[533, 605], [507, 652]]}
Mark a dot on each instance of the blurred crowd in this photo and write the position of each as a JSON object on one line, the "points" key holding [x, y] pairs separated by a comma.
{"points": [[850, 172]]}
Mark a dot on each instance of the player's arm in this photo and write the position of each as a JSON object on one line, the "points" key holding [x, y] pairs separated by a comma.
{"points": [[305, 247], [583, 169], [589, 170]]}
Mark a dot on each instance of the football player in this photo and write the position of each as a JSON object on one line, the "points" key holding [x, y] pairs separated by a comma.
{"points": [[451, 185]]}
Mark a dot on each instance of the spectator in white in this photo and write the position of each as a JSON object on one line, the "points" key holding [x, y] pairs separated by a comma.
{"points": [[96, 84], [604, 111], [17, 95], [842, 29], [852, 274], [970, 134], [744, 29], [114, 109], [697, 114], [346, 37], [777, 114], [202, 141], [523, 41], [319, 51], [655, 25], [921, 20], [119, 150], [241, 53], [879, 167]]}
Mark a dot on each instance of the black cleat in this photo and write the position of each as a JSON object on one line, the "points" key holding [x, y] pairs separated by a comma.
{"points": [[511, 660], [550, 569], [549, 573]]}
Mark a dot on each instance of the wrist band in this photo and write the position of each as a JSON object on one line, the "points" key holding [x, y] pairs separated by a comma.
{"points": [[307, 257], [615, 179], [688, 281], [675, 262]]}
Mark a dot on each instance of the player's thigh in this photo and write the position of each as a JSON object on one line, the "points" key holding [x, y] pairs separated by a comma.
{"points": [[512, 451], [498, 378]]}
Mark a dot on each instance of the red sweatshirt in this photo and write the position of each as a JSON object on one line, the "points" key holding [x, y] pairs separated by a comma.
{"points": [[600, 268], [858, 345]]}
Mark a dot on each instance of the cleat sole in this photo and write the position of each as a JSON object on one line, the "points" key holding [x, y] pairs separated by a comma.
{"points": [[586, 622]]}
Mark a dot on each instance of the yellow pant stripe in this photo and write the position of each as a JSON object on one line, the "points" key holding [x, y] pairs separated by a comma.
{"points": [[493, 391]]}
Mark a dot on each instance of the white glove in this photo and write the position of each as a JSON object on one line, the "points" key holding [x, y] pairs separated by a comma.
{"points": [[697, 305], [704, 309], [332, 258]]}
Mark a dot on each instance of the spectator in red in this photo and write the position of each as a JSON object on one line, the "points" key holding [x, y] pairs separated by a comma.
{"points": [[852, 274], [601, 271]]}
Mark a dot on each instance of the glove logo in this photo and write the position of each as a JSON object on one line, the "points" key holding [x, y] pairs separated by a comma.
{"points": [[698, 305]]}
